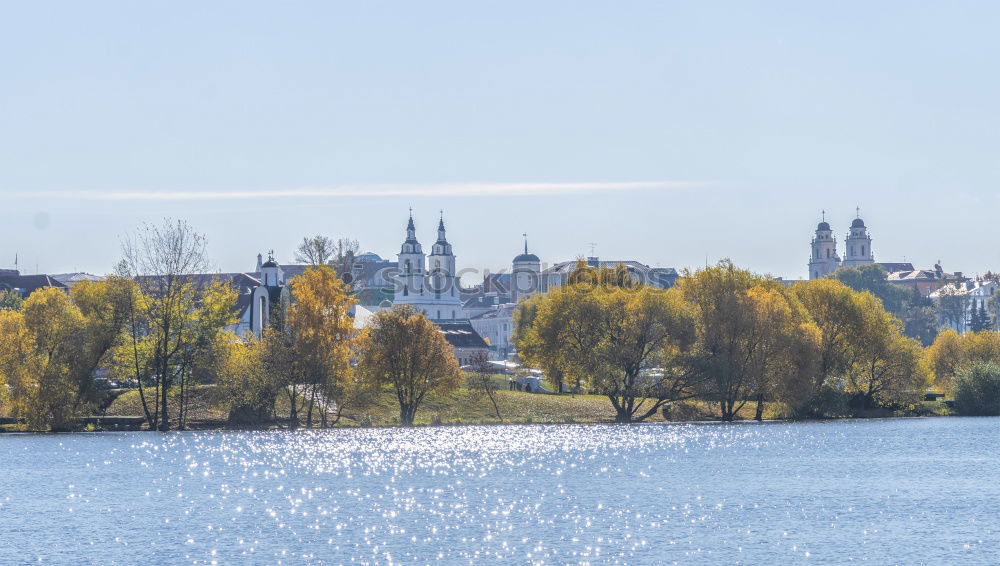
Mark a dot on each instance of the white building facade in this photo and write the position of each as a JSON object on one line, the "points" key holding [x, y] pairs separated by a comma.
{"points": [[957, 302]]}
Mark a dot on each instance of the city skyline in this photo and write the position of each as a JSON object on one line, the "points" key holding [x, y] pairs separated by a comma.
{"points": [[466, 248]]}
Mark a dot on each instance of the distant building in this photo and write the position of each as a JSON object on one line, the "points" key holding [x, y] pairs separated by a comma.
{"points": [[966, 297], [823, 257], [464, 339], [923, 281], [497, 326], [24, 285], [70, 279]]}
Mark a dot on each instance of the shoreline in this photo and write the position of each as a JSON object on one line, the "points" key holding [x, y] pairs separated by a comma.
{"points": [[701, 422]]}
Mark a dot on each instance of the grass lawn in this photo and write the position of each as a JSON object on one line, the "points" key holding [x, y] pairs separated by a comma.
{"points": [[207, 406]]}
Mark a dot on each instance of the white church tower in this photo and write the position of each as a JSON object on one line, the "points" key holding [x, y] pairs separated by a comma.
{"points": [[859, 245], [411, 268], [443, 283], [824, 259], [428, 283]]}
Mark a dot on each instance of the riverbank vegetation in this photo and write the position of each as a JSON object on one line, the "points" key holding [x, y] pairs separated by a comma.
{"points": [[723, 344], [727, 337]]}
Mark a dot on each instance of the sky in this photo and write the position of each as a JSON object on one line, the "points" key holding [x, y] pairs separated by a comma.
{"points": [[672, 133]]}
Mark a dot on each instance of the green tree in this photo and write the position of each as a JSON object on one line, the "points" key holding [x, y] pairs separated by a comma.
{"points": [[979, 319], [977, 390], [403, 349], [874, 279], [919, 318], [9, 300], [953, 307]]}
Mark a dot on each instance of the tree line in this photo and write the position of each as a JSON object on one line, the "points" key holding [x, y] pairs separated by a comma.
{"points": [[160, 326], [723, 335], [731, 337]]}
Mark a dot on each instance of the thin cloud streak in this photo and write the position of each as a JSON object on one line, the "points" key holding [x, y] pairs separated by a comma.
{"points": [[376, 190]]}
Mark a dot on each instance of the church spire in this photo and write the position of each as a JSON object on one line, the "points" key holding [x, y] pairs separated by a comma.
{"points": [[525, 243], [411, 230], [441, 232]]}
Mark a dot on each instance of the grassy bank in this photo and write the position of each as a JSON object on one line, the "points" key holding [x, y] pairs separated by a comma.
{"points": [[207, 407]]}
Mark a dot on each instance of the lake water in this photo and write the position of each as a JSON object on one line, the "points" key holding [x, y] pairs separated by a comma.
{"points": [[877, 491]]}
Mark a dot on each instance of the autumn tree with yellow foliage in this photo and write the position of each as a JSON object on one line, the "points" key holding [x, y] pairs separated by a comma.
{"points": [[322, 333], [888, 369], [755, 340], [628, 344], [49, 351], [863, 350], [402, 349], [952, 353]]}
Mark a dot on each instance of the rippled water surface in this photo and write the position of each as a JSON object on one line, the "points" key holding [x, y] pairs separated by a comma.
{"points": [[883, 491]]}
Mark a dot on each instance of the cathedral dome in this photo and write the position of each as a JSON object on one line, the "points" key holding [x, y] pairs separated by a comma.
{"points": [[823, 226], [270, 263], [369, 257], [526, 258], [858, 223]]}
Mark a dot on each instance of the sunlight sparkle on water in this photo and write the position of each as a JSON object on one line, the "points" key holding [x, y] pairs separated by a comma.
{"points": [[537, 494]]}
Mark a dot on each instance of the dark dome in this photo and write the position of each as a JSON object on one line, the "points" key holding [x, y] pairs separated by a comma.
{"points": [[526, 258], [858, 223], [270, 263], [823, 226]]}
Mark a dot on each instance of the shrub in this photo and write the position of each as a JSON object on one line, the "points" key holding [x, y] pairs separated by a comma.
{"points": [[977, 390], [828, 401]]}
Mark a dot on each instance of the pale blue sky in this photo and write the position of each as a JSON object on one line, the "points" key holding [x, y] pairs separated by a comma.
{"points": [[264, 122]]}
